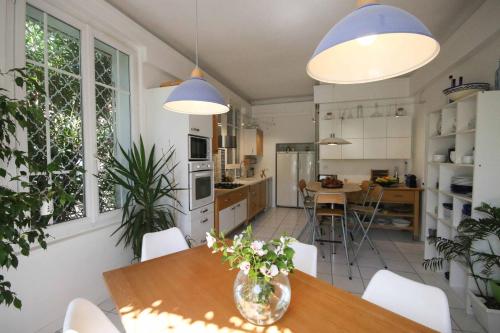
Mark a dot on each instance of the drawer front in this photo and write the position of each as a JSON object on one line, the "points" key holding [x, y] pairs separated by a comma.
{"points": [[399, 196], [200, 227], [229, 199]]}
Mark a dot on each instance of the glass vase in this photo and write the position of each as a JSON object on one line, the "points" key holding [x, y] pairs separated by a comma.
{"points": [[261, 302]]}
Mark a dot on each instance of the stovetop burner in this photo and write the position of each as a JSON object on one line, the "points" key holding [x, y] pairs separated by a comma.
{"points": [[227, 186]]}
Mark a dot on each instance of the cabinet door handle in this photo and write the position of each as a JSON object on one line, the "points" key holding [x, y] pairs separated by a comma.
{"points": [[194, 129], [233, 208], [238, 205], [204, 220], [204, 211]]}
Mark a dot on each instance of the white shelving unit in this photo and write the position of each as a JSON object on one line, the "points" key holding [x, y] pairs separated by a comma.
{"points": [[472, 126]]}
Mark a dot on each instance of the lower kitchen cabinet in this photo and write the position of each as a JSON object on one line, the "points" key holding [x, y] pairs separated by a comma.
{"points": [[232, 216], [257, 196]]}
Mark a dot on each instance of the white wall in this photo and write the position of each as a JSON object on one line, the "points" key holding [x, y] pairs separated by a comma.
{"points": [[282, 123], [82, 250]]}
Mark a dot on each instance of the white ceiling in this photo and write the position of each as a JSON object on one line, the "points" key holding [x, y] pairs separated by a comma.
{"points": [[259, 48]]}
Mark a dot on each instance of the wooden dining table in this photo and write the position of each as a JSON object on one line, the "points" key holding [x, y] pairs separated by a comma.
{"points": [[346, 188], [192, 291]]}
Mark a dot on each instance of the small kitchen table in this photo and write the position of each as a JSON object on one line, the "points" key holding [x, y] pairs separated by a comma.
{"points": [[192, 291]]}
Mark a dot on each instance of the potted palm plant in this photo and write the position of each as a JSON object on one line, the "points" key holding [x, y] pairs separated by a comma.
{"points": [[477, 245], [150, 200]]}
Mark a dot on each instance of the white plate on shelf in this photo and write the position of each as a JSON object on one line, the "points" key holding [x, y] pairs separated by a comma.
{"points": [[401, 223]]}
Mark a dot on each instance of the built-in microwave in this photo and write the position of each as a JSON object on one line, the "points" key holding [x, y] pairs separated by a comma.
{"points": [[199, 148]]}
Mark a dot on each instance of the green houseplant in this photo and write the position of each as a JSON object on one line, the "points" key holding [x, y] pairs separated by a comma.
{"points": [[22, 219], [150, 193], [477, 245]]}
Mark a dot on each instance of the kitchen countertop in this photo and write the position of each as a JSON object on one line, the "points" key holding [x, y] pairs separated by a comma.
{"points": [[245, 181]]}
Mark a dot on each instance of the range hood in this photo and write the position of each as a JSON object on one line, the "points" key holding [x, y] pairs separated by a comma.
{"points": [[227, 141]]}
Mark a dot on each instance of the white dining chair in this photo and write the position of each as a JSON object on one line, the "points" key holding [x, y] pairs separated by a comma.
{"points": [[161, 243], [424, 304], [305, 257], [83, 316]]}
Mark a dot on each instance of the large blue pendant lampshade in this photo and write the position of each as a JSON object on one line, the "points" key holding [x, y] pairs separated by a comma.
{"points": [[373, 43], [196, 96]]}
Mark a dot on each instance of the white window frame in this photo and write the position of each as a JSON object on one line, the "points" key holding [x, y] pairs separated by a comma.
{"points": [[93, 219]]}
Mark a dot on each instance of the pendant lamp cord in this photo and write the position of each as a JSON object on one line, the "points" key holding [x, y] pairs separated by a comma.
{"points": [[196, 30]]}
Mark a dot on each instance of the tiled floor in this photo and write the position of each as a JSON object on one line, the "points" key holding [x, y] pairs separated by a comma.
{"points": [[403, 256]]}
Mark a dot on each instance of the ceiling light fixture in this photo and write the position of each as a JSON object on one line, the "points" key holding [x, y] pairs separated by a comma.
{"points": [[375, 42], [334, 141], [196, 95]]}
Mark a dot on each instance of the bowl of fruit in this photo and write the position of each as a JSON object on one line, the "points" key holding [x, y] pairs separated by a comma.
{"points": [[387, 181], [330, 182]]}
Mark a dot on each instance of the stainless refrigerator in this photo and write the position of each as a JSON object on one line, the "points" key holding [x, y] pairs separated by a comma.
{"points": [[290, 168]]}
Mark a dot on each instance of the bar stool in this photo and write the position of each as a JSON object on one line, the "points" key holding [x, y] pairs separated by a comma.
{"points": [[333, 199], [361, 213]]}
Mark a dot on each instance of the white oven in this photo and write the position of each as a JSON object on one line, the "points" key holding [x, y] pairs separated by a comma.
{"points": [[199, 148], [201, 184]]}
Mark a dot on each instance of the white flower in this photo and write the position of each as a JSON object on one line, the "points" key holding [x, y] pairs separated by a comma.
{"points": [[245, 267], [237, 240], [280, 249], [258, 248], [284, 271], [230, 249], [210, 240], [271, 271]]}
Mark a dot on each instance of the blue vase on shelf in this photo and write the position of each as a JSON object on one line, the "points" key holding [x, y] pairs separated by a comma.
{"points": [[497, 77]]}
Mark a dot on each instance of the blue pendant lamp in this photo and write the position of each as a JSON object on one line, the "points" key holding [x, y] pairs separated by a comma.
{"points": [[373, 43], [196, 95]]}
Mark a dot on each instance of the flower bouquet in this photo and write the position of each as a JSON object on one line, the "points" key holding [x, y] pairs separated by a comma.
{"points": [[261, 289]]}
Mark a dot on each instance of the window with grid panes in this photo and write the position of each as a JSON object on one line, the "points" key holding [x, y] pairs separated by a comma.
{"points": [[112, 93], [53, 51]]}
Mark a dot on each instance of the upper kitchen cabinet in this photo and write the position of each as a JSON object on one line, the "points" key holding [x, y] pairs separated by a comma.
{"points": [[399, 133], [200, 125], [253, 142], [354, 150], [352, 128], [399, 127], [375, 127]]}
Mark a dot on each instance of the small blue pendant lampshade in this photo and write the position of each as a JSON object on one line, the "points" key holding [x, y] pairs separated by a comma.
{"points": [[373, 43], [196, 96]]}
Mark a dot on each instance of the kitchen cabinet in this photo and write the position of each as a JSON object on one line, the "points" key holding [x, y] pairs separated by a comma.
{"points": [[257, 198], [375, 148], [200, 125], [232, 216], [215, 135], [353, 151], [375, 128], [399, 127], [253, 141], [352, 128], [398, 148]]}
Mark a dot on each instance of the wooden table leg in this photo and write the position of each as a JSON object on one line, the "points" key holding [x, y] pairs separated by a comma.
{"points": [[416, 216]]}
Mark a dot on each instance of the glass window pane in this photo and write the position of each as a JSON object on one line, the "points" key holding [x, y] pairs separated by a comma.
{"points": [[63, 46], [105, 63], [34, 38], [124, 71], [112, 117], [58, 135]]}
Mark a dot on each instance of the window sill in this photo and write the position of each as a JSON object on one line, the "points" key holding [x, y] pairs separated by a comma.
{"points": [[71, 229]]}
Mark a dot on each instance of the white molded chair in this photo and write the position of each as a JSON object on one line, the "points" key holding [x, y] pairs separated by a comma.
{"points": [[161, 243], [83, 316], [424, 304], [305, 257]]}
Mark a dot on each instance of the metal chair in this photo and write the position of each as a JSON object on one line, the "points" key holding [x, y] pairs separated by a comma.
{"points": [[333, 199], [308, 205], [369, 210]]}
